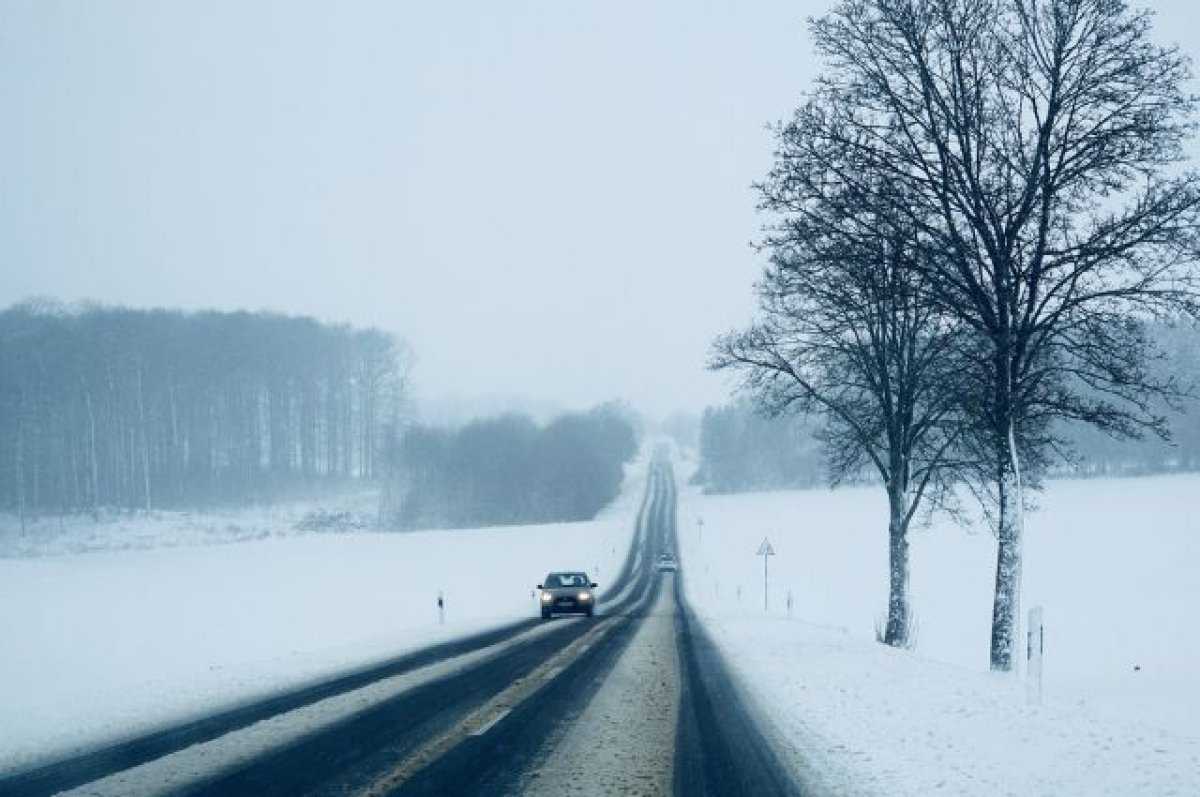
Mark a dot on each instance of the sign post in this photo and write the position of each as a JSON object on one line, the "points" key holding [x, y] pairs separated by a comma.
{"points": [[764, 551], [1035, 647]]}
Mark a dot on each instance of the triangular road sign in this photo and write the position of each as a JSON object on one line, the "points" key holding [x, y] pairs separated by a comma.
{"points": [[765, 549]]}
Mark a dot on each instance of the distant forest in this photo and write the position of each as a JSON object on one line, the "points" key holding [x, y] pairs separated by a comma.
{"points": [[742, 450], [113, 407], [509, 470]]}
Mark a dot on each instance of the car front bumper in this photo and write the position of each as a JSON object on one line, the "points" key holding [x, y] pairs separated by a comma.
{"points": [[568, 606]]}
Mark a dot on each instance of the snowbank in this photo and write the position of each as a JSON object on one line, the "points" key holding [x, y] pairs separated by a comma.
{"points": [[100, 646], [1112, 562]]}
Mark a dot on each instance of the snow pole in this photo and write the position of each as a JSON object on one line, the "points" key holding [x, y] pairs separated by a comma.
{"points": [[1035, 648], [441, 604]]}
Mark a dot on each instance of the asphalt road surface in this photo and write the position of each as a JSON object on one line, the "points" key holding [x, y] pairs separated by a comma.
{"points": [[635, 701]]}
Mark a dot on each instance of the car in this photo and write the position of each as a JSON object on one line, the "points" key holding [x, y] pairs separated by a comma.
{"points": [[567, 592], [667, 563]]}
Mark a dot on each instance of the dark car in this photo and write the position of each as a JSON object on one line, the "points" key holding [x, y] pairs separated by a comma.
{"points": [[567, 593]]}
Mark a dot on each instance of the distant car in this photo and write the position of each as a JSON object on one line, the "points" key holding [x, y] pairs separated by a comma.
{"points": [[667, 563], [567, 593]]}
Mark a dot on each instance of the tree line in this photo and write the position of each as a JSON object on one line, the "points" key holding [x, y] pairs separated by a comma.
{"points": [[743, 448], [508, 470], [116, 407], [973, 219]]}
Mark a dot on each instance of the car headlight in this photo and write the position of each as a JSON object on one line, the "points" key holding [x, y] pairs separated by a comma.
{"points": [[585, 596], [547, 597]]}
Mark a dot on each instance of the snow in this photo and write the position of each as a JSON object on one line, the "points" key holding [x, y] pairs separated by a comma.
{"points": [[1111, 561], [100, 646], [115, 530]]}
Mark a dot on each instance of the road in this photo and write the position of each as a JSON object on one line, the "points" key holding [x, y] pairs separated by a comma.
{"points": [[634, 701]]}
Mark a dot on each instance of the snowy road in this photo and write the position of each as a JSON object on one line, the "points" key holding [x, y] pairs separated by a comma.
{"points": [[634, 701], [623, 742]]}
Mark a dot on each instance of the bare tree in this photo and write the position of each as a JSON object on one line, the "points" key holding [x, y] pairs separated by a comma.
{"points": [[1038, 144], [846, 330]]}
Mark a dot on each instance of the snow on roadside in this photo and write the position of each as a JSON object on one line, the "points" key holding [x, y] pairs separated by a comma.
{"points": [[1112, 562], [101, 646]]}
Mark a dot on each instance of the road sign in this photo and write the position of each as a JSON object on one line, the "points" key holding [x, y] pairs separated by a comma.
{"points": [[764, 551]]}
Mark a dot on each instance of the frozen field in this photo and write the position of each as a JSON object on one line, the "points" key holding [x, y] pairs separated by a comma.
{"points": [[100, 645], [1112, 562], [53, 535]]}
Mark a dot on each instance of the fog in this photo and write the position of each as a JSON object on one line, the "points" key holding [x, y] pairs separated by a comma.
{"points": [[547, 200]]}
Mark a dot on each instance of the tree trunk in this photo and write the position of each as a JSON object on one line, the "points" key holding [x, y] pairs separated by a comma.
{"points": [[1007, 601], [94, 466], [20, 463], [145, 441], [896, 633]]}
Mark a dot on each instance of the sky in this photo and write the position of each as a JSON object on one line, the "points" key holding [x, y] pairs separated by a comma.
{"points": [[549, 200]]}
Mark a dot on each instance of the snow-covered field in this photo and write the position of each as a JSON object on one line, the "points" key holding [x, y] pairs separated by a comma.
{"points": [[1113, 563], [112, 530], [102, 645]]}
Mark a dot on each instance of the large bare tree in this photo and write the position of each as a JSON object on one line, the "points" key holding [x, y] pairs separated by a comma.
{"points": [[1039, 145], [846, 330]]}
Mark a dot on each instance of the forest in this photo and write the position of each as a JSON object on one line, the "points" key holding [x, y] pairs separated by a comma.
{"points": [[742, 450], [509, 470], [146, 409]]}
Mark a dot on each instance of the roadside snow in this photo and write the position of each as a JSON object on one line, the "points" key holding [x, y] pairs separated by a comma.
{"points": [[101, 646], [1112, 562]]}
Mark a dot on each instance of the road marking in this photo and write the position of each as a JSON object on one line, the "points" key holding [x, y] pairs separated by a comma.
{"points": [[486, 716], [491, 723]]}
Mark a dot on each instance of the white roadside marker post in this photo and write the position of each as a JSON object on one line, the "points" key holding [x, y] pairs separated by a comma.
{"points": [[1035, 647], [700, 530], [764, 551], [441, 608]]}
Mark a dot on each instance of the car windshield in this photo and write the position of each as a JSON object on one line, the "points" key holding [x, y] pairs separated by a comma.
{"points": [[566, 580]]}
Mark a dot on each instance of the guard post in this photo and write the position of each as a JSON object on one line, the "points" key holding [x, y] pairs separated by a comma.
{"points": [[1035, 647]]}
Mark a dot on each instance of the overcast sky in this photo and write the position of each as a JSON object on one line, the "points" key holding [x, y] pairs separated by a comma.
{"points": [[548, 199]]}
